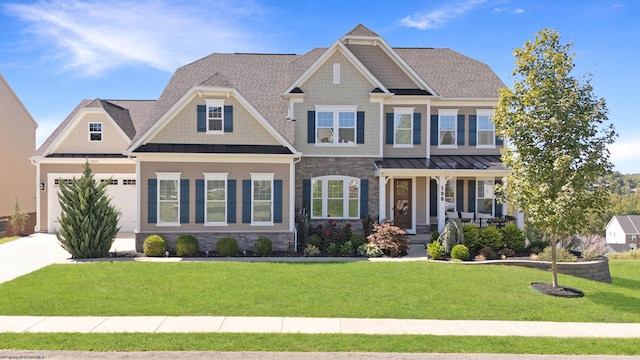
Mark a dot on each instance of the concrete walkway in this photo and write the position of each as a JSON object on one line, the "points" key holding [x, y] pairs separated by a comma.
{"points": [[28, 254], [286, 325]]}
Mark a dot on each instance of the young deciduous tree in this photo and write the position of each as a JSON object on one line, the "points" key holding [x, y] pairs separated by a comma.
{"points": [[88, 222], [557, 140]]}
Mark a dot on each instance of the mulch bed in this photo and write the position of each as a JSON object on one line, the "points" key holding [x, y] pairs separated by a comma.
{"points": [[559, 291]]}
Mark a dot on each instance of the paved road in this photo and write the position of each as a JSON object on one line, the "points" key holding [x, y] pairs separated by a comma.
{"points": [[193, 355]]}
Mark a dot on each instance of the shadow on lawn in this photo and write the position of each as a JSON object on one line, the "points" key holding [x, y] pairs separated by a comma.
{"points": [[625, 283], [615, 301]]}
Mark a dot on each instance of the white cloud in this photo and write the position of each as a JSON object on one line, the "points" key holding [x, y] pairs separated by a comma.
{"points": [[94, 36], [624, 154], [438, 17], [518, 11]]}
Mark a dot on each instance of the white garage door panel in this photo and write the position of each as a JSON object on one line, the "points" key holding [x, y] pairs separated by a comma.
{"points": [[122, 191]]}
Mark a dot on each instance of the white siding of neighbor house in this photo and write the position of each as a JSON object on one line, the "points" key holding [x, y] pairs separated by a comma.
{"points": [[615, 233]]}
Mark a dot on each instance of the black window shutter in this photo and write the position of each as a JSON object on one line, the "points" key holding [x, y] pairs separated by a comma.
{"points": [[389, 127], [200, 193], [364, 198], [228, 118], [498, 206], [202, 118], [434, 130], [277, 201], [417, 128], [360, 127], [311, 127], [246, 201], [231, 201], [306, 195], [152, 201], [460, 195], [433, 198], [499, 141], [184, 201], [473, 132], [460, 129]]}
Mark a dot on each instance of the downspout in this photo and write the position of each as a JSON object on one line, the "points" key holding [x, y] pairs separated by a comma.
{"points": [[37, 165], [292, 201]]}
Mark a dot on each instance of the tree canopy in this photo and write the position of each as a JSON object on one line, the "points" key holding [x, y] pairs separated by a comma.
{"points": [[557, 136]]}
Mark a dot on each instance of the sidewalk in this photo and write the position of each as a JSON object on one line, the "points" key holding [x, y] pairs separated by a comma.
{"points": [[290, 325]]}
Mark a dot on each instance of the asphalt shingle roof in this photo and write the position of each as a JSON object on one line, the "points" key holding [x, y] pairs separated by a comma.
{"points": [[630, 223]]}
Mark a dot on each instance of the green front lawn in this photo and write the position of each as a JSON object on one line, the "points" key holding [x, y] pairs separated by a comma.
{"points": [[411, 290]]}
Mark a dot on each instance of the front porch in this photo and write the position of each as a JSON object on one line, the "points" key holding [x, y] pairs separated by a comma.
{"points": [[420, 195]]}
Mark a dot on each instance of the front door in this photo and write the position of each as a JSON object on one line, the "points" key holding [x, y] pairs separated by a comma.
{"points": [[402, 207]]}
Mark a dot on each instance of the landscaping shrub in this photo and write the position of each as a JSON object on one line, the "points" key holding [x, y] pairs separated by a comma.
{"points": [[346, 249], [506, 252], [311, 250], [154, 245], [369, 250], [333, 249], [629, 255], [332, 233], [434, 236], [227, 246], [536, 246], [487, 253], [186, 245], [460, 252], [263, 247], [490, 237], [471, 236], [451, 235], [18, 219], [392, 240], [513, 238], [435, 250], [562, 255], [534, 238], [367, 225], [316, 241], [357, 240]]}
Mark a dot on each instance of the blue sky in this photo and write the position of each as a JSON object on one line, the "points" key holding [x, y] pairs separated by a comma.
{"points": [[56, 53]]}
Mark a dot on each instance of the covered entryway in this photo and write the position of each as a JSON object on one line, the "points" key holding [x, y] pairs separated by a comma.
{"points": [[121, 189]]}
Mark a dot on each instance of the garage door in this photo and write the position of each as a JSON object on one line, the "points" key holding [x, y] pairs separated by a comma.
{"points": [[121, 189]]}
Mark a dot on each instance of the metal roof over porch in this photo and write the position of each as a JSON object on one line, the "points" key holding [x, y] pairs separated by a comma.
{"points": [[444, 162]]}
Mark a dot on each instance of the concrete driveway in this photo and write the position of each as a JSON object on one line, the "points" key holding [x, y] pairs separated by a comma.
{"points": [[33, 252]]}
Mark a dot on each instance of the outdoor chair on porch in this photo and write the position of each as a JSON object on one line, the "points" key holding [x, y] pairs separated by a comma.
{"points": [[467, 217]]}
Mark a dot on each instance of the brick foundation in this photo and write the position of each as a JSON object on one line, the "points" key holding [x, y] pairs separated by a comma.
{"points": [[28, 228]]}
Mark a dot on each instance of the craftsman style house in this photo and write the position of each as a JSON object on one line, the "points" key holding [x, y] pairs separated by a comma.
{"points": [[17, 142], [238, 144]]}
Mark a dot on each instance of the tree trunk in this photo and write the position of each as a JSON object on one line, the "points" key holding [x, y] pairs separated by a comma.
{"points": [[554, 267]]}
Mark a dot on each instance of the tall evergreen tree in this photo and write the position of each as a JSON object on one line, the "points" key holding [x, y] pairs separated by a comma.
{"points": [[88, 222], [557, 140]]}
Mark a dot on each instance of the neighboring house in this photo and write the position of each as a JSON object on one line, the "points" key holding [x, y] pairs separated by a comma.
{"points": [[98, 131], [17, 143], [623, 230], [238, 144]]}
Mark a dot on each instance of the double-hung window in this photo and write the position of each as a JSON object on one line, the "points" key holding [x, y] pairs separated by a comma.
{"points": [[215, 198], [95, 131], [447, 127], [335, 197], [262, 199], [486, 129], [168, 198], [403, 126], [485, 196], [336, 125], [450, 195], [215, 116]]}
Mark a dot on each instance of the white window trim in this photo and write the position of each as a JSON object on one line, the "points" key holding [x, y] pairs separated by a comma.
{"points": [[335, 109], [449, 112], [493, 194], [101, 132], [215, 103], [167, 176], [345, 191], [403, 111], [261, 176], [216, 176], [490, 114]]}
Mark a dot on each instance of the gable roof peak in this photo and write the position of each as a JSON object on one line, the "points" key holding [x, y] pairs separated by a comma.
{"points": [[217, 80], [360, 31]]}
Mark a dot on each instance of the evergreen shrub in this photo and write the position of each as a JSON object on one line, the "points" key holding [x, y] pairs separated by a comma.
{"points": [[227, 246], [460, 252], [263, 247], [154, 245], [186, 245]]}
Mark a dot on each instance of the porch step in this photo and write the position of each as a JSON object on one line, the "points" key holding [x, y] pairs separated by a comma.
{"points": [[419, 238]]}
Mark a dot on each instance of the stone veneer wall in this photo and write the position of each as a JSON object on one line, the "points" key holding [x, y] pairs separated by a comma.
{"points": [[362, 168], [207, 241], [597, 270]]}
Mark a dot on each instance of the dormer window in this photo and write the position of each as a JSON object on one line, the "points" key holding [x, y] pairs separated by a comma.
{"points": [[95, 131], [215, 115]]}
